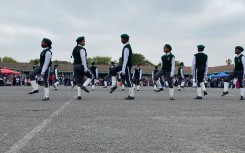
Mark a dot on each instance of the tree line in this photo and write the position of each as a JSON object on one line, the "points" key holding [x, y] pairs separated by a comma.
{"points": [[100, 60]]}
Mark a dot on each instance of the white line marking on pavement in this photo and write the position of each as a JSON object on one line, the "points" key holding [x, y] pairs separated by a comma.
{"points": [[22, 142]]}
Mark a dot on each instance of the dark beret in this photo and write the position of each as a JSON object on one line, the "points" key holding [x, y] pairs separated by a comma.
{"points": [[239, 48], [124, 36], [168, 46], [200, 47], [80, 39], [48, 41]]}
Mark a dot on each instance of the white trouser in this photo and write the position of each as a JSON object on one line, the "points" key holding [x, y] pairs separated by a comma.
{"points": [[159, 83], [131, 92], [113, 81], [87, 82], [226, 86], [203, 86], [46, 92], [242, 90], [79, 91], [171, 92], [199, 92], [34, 85], [56, 83]]}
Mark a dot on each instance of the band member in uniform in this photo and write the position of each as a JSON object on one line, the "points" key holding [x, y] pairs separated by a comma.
{"points": [[72, 80], [168, 66], [155, 82], [80, 66], [35, 65], [94, 70], [56, 77], [43, 69], [181, 81], [200, 70], [127, 60], [105, 83], [120, 78], [137, 77], [239, 72], [111, 74]]}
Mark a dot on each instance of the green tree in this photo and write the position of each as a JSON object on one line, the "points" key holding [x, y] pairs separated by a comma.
{"points": [[0, 59], [32, 60], [159, 64], [115, 61], [177, 63], [9, 59], [139, 59], [120, 60], [101, 59], [89, 60]]}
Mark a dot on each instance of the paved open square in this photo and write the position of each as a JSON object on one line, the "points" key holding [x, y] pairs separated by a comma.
{"points": [[107, 123]]}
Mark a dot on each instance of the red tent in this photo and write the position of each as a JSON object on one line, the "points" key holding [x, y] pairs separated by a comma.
{"points": [[8, 71]]}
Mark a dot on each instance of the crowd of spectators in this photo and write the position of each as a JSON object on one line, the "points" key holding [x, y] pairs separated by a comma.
{"points": [[67, 80]]}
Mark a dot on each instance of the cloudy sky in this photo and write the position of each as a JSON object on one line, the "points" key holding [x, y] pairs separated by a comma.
{"points": [[217, 24]]}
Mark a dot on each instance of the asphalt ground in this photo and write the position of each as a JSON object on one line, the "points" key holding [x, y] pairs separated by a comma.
{"points": [[101, 122]]}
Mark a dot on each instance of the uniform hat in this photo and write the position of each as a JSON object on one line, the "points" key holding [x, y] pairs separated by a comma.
{"points": [[80, 39], [112, 63], [181, 64], [125, 36], [239, 48], [93, 63], [56, 65], [200, 47], [48, 41], [168, 46]]}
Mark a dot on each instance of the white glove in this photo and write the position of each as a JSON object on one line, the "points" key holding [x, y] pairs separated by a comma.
{"points": [[123, 72], [193, 73], [42, 74], [205, 77], [85, 70], [171, 74]]}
